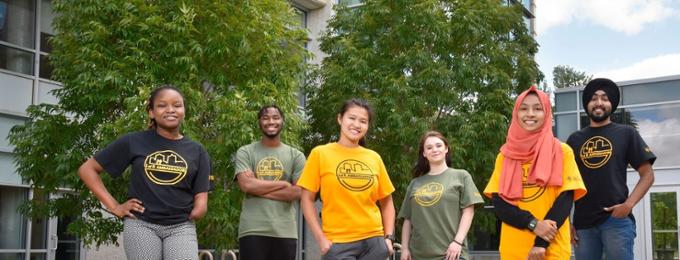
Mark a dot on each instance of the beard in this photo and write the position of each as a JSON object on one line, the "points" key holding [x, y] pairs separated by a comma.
{"points": [[599, 118]]}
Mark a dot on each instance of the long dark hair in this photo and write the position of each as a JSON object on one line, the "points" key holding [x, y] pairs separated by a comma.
{"points": [[423, 165], [152, 99], [359, 103]]}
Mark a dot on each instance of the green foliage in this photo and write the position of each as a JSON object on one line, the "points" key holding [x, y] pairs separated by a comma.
{"points": [[228, 57], [452, 66], [566, 76]]}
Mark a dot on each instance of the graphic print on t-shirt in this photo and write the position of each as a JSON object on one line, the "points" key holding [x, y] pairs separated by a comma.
{"points": [[354, 175], [165, 167], [531, 191], [595, 152], [428, 194], [269, 168]]}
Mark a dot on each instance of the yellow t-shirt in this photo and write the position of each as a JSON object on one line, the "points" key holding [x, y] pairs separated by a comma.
{"points": [[351, 181], [516, 243]]}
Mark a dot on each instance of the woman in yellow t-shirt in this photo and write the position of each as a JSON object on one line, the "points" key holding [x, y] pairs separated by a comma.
{"points": [[351, 180], [534, 183]]}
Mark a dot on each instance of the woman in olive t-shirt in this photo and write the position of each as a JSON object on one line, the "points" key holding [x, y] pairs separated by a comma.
{"points": [[439, 205]]}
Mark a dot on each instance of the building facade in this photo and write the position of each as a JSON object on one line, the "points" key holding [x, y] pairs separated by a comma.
{"points": [[652, 106], [25, 27]]}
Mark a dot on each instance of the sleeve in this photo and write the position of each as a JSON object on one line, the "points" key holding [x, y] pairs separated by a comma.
{"points": [[511, 214], [299, 164], [405, 210], [385, 186], [470, 194], [638, 152], [116, 157], [571, 177], [202, 180], [559, 212], [241, 161], [310, 179], [492, 186]]}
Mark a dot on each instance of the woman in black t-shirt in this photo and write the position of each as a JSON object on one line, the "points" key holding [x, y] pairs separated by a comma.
{"points": [[168, 184]]}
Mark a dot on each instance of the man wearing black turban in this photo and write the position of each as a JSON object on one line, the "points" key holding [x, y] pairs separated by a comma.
{"points": [[603, 221]]}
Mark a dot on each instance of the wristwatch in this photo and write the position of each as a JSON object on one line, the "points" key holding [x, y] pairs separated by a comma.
{"points": [[390, 237], [532, 224]]}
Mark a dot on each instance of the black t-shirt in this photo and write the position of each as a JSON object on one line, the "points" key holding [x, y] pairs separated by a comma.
{"points": [[602, 155], [166, 174]]}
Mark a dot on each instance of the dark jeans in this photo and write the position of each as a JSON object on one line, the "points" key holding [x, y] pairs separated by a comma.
{"points": [[614, 238], [265, 248]]}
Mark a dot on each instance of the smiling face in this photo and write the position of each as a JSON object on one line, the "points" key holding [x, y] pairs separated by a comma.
{"points": [[531, 115], [599, 107], [167, 109], [271, 122], [353, 124], [434, 150]]}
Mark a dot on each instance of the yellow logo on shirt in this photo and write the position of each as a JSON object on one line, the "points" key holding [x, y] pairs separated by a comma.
{"points": [[595, 152], [354, 175], [165, 167], [269, 168], [428, 194]]}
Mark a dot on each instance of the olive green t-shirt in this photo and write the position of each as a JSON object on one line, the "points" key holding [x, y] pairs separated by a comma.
{"points": [[434, 205], [261, 216]]}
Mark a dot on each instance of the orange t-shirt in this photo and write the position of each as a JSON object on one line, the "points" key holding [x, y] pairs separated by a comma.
{"points": [[516, 243], [351, 181]]}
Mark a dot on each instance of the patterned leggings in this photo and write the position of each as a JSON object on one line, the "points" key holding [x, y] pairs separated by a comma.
{"points": [[144, 240]]}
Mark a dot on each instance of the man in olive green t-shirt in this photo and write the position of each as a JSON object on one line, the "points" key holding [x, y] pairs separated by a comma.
{"points": [[266, 171]]}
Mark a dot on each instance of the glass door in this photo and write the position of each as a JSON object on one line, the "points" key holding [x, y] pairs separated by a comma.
{"points": [[662, 243], [13, 225], [60, 244], [67, 245]]}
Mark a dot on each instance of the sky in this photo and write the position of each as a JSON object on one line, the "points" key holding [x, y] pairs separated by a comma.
{"points": [[618, 39]]}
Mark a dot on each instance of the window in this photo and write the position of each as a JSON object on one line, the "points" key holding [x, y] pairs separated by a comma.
{"points": [[18, 43], [565, 124], [659, 126], [17, 33], [651, 92], [17, 22], [566, 101], [13, 228], [527, 4], [664, 215], [46, 33], [16, 60]]}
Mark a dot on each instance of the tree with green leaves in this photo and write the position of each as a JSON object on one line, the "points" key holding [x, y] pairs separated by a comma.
{"points": [[228, 57], [452, 66], [566, 76]]}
